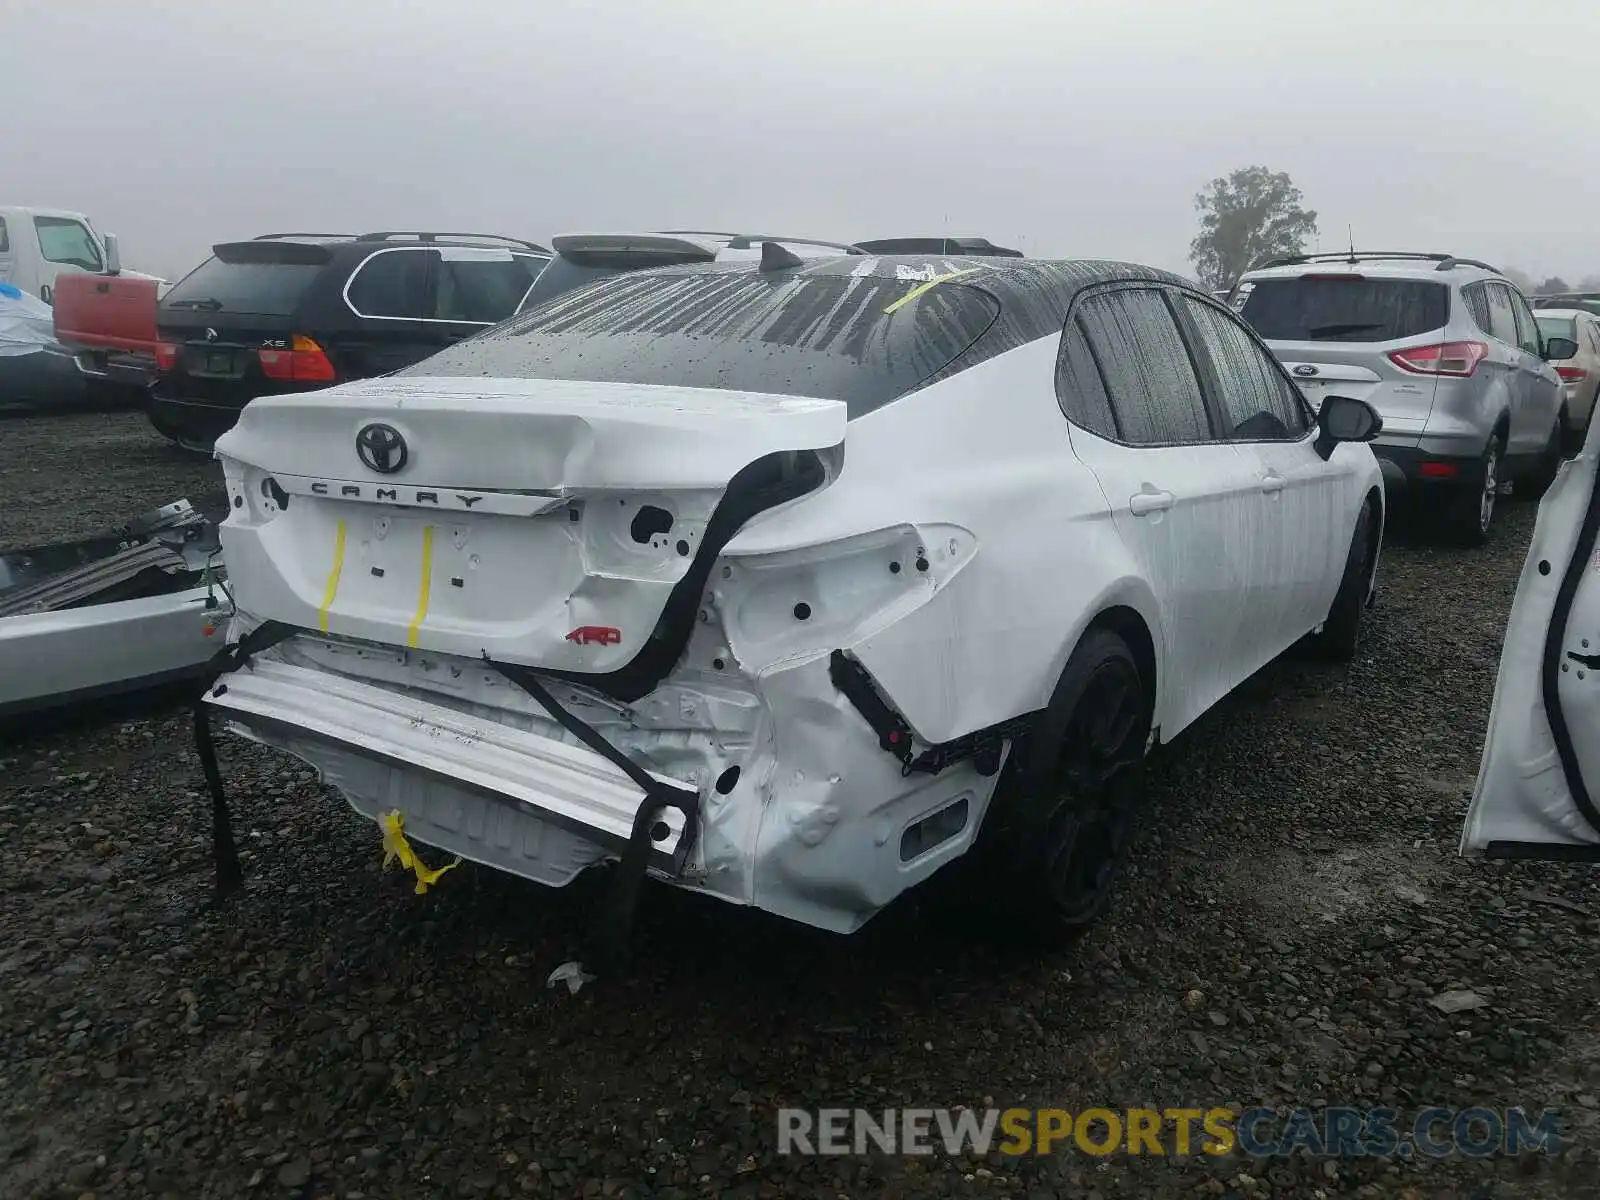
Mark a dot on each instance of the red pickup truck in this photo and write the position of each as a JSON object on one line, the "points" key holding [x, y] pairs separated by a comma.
{"points": [[110, 322]]}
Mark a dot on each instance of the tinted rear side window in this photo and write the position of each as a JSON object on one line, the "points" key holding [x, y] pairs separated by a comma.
{"points": [[567, 273], [1146, 368], [270, 289], [1477, 299], [861, 340], [1345, 310], [1079, 388], [481, 290], [392, 285]]}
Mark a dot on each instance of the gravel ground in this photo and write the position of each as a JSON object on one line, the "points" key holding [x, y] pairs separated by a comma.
{"points": [[1295, 900]]}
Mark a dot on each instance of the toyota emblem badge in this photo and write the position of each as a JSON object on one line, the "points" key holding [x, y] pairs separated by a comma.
{"points": [[382, 448]]}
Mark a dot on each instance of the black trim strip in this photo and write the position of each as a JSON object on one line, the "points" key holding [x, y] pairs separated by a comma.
{"points": [[984, 746], [613, 926], [855, 685], [224, 850], [1551, 680], [1543, 851]]}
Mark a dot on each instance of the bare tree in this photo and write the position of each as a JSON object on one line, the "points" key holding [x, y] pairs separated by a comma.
{"points": [[1245, 217]]}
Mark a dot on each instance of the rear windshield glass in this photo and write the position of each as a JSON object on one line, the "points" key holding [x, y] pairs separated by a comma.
{"points": [[1344, 310], [562, 275], [861, 340], [1562, 327], [261, 288]]}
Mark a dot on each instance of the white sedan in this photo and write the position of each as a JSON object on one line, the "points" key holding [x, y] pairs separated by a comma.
{"points": [[792, 582]]}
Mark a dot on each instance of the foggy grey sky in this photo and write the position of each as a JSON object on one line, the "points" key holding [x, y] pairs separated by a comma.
{"points": [[1065, 128]]}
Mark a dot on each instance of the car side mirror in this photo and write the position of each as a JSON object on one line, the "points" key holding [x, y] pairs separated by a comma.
{"points": [[113, 257], [1558, 348], [1342, 419]]}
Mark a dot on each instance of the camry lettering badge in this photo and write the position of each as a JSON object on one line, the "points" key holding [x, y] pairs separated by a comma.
{"points": [[382, 448]]}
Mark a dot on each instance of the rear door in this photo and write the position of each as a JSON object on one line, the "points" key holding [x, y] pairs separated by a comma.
{"points": [[390, 293], [1186, 503], [476, 287], [1538, 788], [1506, 363], [1334, 330], [1540, 390], [1306, 532]]}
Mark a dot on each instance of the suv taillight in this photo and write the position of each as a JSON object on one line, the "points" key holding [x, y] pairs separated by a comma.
{"points": [[304, 362], [166, 356], [1444, 358]]}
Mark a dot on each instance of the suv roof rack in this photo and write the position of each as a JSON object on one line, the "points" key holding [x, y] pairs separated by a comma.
{"points": [[1446, 261], [386, 235], [748, 241]]}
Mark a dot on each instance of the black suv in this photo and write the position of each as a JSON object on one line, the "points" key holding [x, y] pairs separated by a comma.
{"points": [[582, 258], [292, 312]]}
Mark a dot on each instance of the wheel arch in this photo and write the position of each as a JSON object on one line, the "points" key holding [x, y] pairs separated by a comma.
{"points": [[1131, 617]]}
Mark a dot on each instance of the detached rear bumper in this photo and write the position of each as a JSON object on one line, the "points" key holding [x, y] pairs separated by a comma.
{"points": [[487, 791], [797, 807]]}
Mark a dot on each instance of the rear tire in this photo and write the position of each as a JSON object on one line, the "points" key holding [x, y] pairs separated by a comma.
{"points": [[1058, 828], [1341, 633], [1472, 514]]}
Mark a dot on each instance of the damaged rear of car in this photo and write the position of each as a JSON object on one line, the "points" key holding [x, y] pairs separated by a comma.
{"points": [[725, 571]]}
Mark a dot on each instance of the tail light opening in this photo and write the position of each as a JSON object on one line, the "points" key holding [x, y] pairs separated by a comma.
{"points": [[304, 362], [1443, 358], [1572, 374]]}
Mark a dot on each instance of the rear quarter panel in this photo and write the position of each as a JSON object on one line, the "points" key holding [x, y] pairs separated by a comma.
{"points": [[986, 451]]}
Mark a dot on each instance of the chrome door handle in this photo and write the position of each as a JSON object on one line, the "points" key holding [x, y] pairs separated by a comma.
{"points": [[1141, 503], [1273, 482]]}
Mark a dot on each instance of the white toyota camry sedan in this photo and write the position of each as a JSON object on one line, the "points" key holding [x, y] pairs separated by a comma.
{"points": [[791, 582]]}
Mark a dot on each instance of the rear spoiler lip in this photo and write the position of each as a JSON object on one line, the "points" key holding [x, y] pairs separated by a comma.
{"points": [[568, 244], [309, 254]]}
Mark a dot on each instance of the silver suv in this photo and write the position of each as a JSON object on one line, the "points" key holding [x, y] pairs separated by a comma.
{"points": [[1445, 348]]}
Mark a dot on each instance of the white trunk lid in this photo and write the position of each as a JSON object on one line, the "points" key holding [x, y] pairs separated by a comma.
{"points": [[543, 522]]}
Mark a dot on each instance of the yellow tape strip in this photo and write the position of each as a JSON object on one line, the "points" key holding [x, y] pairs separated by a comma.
{"points": [[427, 582], [926, 286], [332, 589], [396, 848]]}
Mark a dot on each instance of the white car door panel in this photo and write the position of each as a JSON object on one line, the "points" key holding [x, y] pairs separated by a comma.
{"points": [[1191, 518], [1301, 551], [1538, 788], [1188, 507]]}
